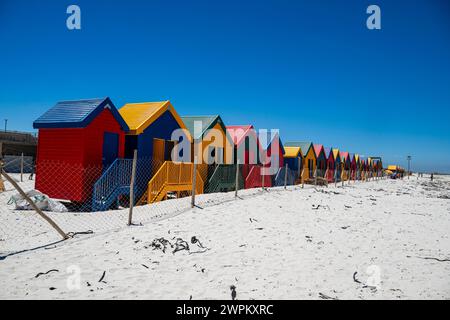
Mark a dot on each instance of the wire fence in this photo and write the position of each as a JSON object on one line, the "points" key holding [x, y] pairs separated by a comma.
{"points": [[92, 199]]}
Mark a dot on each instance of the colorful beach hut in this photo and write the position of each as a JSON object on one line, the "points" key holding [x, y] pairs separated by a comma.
{"points": [[337, 164], [331, 163], [352, 172], [213, 147], [247, 151], [357, 167], [209, 138], [293, 158], [77, 141], [345, 159], [152, 127], [273, 150], [309, 158], [273, 157], [292, 163], [376, 164], [321, 159], [363, 167], [246, 144]]}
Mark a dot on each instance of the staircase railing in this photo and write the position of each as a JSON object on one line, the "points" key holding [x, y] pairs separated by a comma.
{"points": [[157, 183], [117, 175], [171, 173]]}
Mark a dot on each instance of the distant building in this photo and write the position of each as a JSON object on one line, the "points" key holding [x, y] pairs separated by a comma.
{"points": [[15, 143]]}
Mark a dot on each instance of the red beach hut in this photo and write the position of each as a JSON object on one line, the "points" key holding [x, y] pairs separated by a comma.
{"points": [[77, 140]]}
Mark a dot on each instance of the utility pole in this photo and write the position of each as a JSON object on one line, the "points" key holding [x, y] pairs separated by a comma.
{"points": [[6, 122], [409, 166]]}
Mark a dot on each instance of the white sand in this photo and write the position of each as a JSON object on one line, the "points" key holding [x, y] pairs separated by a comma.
{"points": [[270, 245]]}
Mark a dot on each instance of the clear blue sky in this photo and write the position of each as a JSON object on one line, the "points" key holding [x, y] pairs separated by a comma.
{"points": [[310, 68]]}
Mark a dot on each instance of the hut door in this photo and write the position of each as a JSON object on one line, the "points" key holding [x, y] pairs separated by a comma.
{"points": [[110, 148], [169, 145], [159, 150]]}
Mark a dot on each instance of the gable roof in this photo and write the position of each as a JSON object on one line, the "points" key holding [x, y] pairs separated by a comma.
{"points": [[139, 116], [304, 146], [77, 114], [207, 122], [292, 152], [352, 157], [344, 155], [336, 154], [238, 133], [317, 149]]}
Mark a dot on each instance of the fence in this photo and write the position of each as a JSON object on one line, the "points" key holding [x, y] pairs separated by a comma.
{"points": [[18, 164], [128, 191]]}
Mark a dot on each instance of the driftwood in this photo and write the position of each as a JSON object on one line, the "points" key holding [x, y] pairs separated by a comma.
{"points": [[354, 277], [73, 234], [180, 245], [44, 273], [433, 258], [102, 277], [324, 296], [194, 240]]}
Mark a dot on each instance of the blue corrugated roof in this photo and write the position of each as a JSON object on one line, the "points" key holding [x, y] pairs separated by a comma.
{"points": [[77, 114]]}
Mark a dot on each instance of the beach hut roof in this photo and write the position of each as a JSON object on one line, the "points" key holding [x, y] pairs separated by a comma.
{"points": [[344, 155], [336, 153], [77, 114], [292, 152], [304, 145], [207, 122], [238, 133], [139, 116], [392, 167], [317, 149]]}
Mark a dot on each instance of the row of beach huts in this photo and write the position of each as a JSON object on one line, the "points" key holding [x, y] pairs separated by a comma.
{"points": [[89, 152]]}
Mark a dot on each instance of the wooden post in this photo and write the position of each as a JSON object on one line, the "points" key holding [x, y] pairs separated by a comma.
{"points": [[133, 178], [315, 177], [301, 178], [32, 204], [342, 176], [2, 186], [194, 179], [21, 167], [335, 177], [237, 180], [262, 178], [285, 175]]}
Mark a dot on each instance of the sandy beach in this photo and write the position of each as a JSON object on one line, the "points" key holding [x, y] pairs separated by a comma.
{"points": [[385, 239]]}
